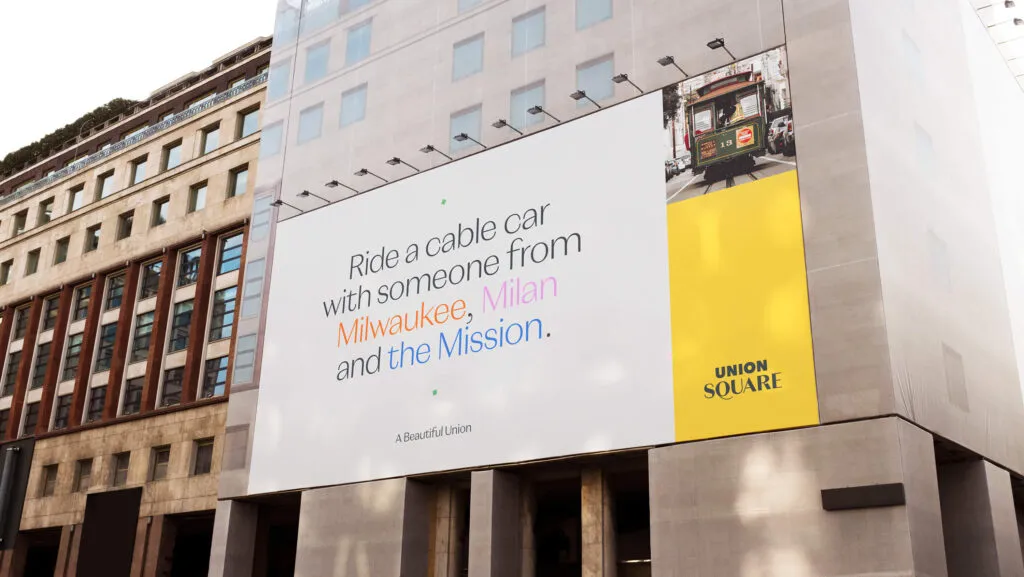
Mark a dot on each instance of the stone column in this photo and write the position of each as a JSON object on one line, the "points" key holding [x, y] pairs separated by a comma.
{"points": [[528, 515], [598, 525], [234, 539], [67, 552], [495, 548], [979, 521]]}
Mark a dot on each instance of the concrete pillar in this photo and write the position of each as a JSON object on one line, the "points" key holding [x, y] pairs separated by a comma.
{"points": [[979, 521], [495, 548], [528, 516], [449, 527], [234, 538], [752, 505], [380, 528], [13, 562], [67, 552], [598, 525]]}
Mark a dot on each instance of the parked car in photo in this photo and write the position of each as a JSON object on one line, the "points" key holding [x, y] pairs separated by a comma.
{"points": [[776, 133]]}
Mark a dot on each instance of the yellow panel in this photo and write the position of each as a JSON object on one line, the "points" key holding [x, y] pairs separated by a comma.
{"points": [[741, 337]]}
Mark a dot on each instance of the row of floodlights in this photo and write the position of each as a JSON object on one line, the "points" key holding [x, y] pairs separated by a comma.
{"points": [[716, 44]]}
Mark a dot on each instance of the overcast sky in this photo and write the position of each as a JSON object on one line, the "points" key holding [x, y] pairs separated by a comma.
{"points": [[61, 58]]}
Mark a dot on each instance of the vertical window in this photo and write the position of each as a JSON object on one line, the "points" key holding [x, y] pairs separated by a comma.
{"points": [[171, 156], [238, 181], [223, 313], [180, 325], [32, 262], [197, 197], [210, 138], [150, 279], [204, 457], [245, 359], [49, 480], [76, 198], [595, 78], [161, 458], [31, 419], [83, 295], [357, 43], [215, 377], [92, 238], [121, 463], [60, 251], [71, 356], [5, 271], [528, 32], [11, 374], [277, 86], [133, 396], [468, 57], [83, 474], [115, 292], [590, 12], [45, 212], [106, 349], [316, 61], [124, 224], [252, 292], [230, 253], [97, 397], [353, 105], [19, 223], [248, 122], [160, 209], [105, 185], [5, 418], [51, 306], [139, 170], [39, 367], [270, 140], [172, 387], [310, 123], [467, 4], [63, 412], [188, 267], [20, 322], [467, 121], [143, 335]]}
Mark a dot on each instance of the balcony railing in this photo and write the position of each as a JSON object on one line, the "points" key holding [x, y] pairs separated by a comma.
{"points": [[134, 139]]}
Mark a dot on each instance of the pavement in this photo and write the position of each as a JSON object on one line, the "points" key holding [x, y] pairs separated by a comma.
{"points": [[685, 185]]}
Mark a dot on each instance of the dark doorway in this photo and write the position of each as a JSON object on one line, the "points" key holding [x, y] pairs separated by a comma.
{"points": [[277, 535], [632, 506], [41, 552], [108, 533], [557, 528], [193, 536]]}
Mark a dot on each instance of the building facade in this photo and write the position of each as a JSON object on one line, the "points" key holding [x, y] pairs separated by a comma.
{"points": [[122, 255], [895, 447]]}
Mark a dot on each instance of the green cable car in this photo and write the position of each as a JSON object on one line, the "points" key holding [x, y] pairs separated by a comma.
{"points": [[728, 122]]}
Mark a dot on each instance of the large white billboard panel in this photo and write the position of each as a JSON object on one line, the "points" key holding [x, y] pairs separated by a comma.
{"points": [[509, 306]]}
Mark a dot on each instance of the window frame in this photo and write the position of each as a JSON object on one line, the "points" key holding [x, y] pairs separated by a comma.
{"points": [[105, 339], [143, 332], [94, 406], [216, 387], [222, 321], [223, 248], [83, 466], [48, 482], [479, 57], [165, 395], [155, 462], [112, 286], [188, 268], [72, 351], [202, 457], [181, 324], [92, 238], [151, 274], [119, 474], [125, 222]]}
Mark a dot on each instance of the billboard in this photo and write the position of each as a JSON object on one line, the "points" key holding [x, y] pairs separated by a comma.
{"points": [[591, 287]]}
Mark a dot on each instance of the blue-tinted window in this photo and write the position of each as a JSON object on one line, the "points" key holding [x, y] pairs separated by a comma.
{"points": [[311, 122], [468, 57], [467, 4], [595, 78], [270, 140], [528, 32], [277, 86], [522, 100], [590, 12], [353, 105], [357, 44], [316, 61]]}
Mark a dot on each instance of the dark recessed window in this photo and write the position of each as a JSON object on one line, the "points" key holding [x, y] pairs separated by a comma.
{"points": [[230, 253], [188, 267], [124, 224], [49, 480], [83, 295], [92, 238], [39, 367], [115, 292], [143, 335], [63, 412], [150, 279], [223, 317], [180, 326], [11, 373], [161, 207], [204, 457], [71, 357], [31, 419], [171, 394], [105, 185], [121, 463], [20, 322], [97, 397], [133, 395], [51, 307], [83, 475], [105, 352], [60, 251], [215, 377], [161, 460]]}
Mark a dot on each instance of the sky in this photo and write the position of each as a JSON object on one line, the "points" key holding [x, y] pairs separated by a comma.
{"points": [[61, 58]]}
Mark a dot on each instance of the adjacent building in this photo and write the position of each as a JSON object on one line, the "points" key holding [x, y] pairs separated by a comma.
{"points": [[121, 258]]}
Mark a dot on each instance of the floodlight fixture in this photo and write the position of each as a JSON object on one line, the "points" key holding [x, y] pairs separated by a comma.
{"points": [[620, 78], [395, 161], [463, 137], [535, 110], [719, 43], [580, 95], [671, 61], [307, 194], [430, 148], [502, 123], [279, 202]]}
